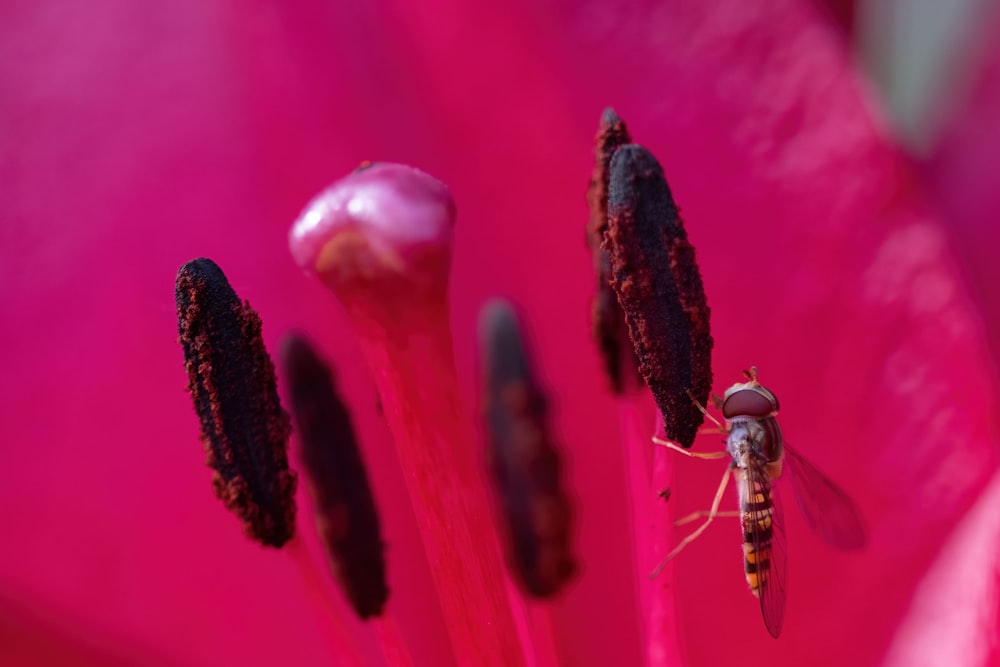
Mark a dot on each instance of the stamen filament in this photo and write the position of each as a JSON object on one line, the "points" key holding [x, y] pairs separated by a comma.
{"points": [[542, 634], [663, 648], [394, 648], [649, 469], [342, 644], [638, 469]]}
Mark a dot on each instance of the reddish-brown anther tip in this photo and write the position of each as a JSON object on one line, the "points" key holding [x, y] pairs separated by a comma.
{"points": [[660, 290], [346, 517], [607, 321], [231, 379], [611, 135], [523, 459]]}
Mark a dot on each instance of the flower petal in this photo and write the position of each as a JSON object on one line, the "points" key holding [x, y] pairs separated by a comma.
{"points": [[823, 264], [136, 140]]}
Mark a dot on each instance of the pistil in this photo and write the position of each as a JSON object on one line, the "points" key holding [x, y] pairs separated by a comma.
{"points": [[380, 239]]}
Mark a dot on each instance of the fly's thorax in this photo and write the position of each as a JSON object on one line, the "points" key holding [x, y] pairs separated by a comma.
{"points": [[739, 442]]}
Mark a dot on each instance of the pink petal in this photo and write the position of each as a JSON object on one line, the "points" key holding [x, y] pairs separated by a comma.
{"points": [[791, 187], [953, 618], [134, 141], [960, 172], [128, 150]]}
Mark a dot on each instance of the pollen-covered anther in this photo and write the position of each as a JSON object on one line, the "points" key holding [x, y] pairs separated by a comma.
{"points": [[656, 278], [607, 320], [346, 517], [523, 459], [231, 379], [684, 267]]}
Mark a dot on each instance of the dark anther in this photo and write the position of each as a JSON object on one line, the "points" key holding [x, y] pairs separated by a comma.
{"points": [[231, 379], [346, 517], [608, 322], [523, 461], [659, 287]]}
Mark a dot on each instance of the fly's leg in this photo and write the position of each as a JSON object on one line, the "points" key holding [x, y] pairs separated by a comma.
{"points": [[694, 455], [697, 515], [719, 430], [712, 513]]}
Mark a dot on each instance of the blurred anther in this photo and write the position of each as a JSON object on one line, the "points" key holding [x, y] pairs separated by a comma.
{"points": [[346, 517], [523, 460]]}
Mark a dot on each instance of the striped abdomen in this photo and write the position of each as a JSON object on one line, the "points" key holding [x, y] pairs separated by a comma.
{"points": [[756, 511]]}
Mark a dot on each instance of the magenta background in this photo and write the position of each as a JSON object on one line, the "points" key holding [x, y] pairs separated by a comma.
{"points": [[134, 138]]}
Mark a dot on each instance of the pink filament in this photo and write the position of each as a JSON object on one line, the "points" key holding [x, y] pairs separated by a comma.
{"points": [[393, 645], [342, 645], [650, 470]]}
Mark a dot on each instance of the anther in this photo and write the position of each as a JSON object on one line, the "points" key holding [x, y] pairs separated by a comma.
{"points": [[659, 288], [523, 459], [231, 379], [346, 517], [607, 320]]}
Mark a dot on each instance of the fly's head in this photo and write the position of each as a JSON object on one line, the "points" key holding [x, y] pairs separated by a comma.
{"points": [[749, 399], [749, 409]]}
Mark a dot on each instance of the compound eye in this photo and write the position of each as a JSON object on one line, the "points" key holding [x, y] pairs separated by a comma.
{"points": [[748, 403]]}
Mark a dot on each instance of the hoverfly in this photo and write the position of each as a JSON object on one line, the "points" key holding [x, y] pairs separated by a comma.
{"points": [[758, 454]]}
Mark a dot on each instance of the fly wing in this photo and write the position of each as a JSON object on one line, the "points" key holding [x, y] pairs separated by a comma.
{"points": [[764, 544], [827, 509]]}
